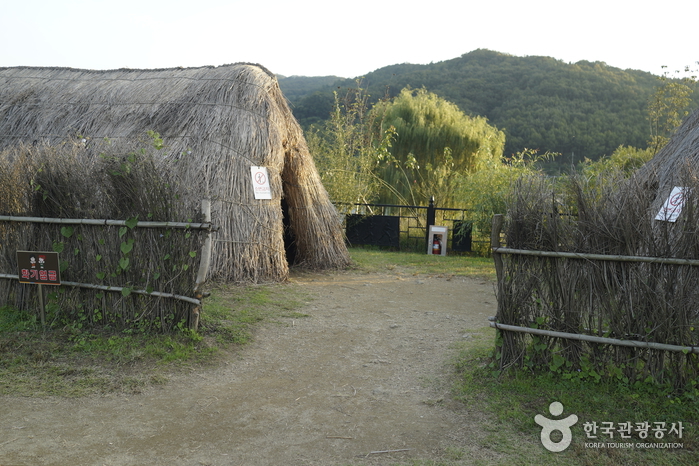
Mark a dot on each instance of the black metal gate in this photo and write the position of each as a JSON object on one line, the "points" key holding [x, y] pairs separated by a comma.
{"points": [[405, 227]]}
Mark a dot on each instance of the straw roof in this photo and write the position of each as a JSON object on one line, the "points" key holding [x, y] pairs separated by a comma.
{"points": [[216, 122], [650, 190], [677, 164]]}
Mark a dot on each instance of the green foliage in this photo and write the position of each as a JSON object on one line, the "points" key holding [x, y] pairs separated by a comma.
{"points": [[581, 110], [513, 399], [345, 152], [487, 191], [312, 96], [13, 320], [434, 141], [667, 107], [624, 160]]}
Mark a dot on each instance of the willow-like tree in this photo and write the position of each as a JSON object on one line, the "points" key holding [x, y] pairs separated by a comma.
{"points": [[345, 151], [668, 106], [434, 142]]}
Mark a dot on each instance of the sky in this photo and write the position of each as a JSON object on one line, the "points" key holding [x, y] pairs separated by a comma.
{"points": [[347, 39]]}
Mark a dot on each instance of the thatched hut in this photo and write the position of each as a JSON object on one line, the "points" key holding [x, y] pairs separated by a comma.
{"points": [[217, 122], [676, 164]]}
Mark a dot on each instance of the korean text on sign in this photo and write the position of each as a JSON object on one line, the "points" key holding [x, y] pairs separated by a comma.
{"points": [[40, 268]]}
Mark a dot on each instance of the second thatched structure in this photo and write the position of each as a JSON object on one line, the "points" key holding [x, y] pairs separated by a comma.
{"points": [[215, 124]]}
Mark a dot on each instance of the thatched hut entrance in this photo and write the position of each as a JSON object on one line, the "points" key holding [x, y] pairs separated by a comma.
{"points": [[216, 123]]}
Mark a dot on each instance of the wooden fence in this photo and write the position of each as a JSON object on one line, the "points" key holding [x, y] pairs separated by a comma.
{"points": [[630, 317], [120, 273]]}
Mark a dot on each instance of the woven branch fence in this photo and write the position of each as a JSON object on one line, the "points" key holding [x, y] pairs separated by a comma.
{"points": [[142, 271], [590, 283]]}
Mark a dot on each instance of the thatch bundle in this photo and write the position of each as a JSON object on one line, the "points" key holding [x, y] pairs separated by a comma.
{"points": [[215, 122]]}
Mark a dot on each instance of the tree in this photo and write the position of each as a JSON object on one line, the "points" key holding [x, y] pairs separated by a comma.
{"points": [[625, 160], [434, 141], [667, 108], [345, 151], [489, 190]]}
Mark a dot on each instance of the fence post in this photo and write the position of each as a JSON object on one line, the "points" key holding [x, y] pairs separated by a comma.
{"points": [[203, 265], [498, 220], [430, 220]]}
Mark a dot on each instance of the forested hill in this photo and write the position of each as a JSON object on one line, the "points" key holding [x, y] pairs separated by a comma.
{"points": [[585, 109]]}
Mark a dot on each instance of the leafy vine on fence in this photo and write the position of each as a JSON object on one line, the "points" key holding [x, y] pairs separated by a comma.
{"points": [[64, 182]]}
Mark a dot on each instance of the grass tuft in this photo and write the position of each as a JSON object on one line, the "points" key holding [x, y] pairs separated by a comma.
{"points": [[74, 361], [376, 261], [514, 397]]}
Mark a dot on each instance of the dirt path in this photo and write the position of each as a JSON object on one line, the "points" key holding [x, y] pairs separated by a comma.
{"points": [[366, 372]]}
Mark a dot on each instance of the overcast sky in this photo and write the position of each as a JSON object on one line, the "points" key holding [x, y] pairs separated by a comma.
{"points": [[348, 39]]}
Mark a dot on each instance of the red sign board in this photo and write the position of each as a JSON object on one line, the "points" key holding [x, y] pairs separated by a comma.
{"points": [[41, 268]]}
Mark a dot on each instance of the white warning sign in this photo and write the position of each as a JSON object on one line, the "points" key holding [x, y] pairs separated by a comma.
{"points": [[672, 207], [260, 183]]}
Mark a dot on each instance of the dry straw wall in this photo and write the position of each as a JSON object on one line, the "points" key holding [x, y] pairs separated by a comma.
{"points": [[632, 301]]}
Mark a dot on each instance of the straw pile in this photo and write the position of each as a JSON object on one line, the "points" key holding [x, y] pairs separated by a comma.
{"points": [[674, 161], [215, 122]]}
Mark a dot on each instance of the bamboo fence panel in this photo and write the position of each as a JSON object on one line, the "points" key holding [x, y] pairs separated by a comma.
{"points": [[144, 271]]}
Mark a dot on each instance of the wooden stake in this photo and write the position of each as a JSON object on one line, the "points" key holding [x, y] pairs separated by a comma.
{"points": [[42, 307], [388, 451], [204, 263], [498, 220]]}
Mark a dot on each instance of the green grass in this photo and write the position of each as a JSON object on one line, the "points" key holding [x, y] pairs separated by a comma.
{"points": [[230, 314], [373, 260], [76, 362], [72, 361], [513, 398]]}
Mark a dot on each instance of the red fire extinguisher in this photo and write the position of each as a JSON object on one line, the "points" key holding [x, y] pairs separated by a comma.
{"points": [[437, 245]]}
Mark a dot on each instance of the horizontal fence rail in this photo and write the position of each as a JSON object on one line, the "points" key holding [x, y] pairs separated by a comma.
{"points": [[596, 339], [118, 289], [107, 222], [117, 260], [571, 301], [598, 257]]}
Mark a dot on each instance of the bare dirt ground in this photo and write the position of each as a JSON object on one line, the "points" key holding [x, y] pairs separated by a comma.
{"points": [[366, 372]]}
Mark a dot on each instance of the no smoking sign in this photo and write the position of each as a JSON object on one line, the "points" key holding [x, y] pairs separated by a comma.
{"points": [[672, 207], [260, 183]]}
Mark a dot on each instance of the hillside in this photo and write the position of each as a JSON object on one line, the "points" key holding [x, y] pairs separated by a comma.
{"points": [[581, 110]]}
